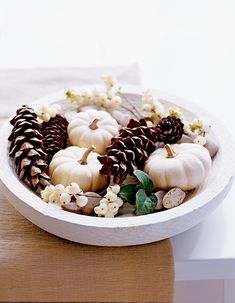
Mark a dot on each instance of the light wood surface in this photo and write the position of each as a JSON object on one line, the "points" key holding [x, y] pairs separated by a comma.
{"points": [[36, 266], [39, 267]]}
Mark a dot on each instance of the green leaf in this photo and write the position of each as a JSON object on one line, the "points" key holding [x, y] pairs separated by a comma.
{"points": [[145, 204], [145, 182], [127, 193]]}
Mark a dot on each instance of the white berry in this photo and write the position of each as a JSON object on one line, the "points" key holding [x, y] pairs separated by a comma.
{"points": [[103, 96], [107, 104], [50, 189], [101, 209], [53, 198], [52, 112], [45, 117], [48, 111], [109, 214], [81, 201], [73, 189], [65, 198], [104, 200], [45, 195], [111, 196], [59, 189], [113, 207], [116, 101], [116, 188], [119, 202], [97, 210], [44, 108]]}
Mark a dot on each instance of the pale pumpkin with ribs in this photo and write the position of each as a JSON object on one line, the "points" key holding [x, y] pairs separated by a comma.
{"points": [[93, 128], [184, 165], [78, 165]]}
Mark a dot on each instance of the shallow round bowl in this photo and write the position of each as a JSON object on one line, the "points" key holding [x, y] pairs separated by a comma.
{"points": [[124, 231]]}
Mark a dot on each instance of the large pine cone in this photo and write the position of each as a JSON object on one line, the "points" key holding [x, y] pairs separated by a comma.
{"points": [[26, 149], [169, 129], [54, 136], [128, 151]]}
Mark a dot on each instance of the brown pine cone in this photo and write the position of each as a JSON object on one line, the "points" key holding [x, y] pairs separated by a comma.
{"points": [[129, 150], [169, 129], [26, 149], [54, 136]]}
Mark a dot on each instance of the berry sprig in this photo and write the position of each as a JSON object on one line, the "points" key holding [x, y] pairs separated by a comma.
{"points": [[110, 204], [197, 130], [64, 195], [153, 108], [108, 99], [47, 112]]}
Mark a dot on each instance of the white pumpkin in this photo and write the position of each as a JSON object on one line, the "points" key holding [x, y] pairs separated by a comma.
{"points": [[79, 165], [184, 165], [93, 127]]}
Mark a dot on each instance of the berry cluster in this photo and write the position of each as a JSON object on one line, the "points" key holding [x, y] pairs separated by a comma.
{"points": [[64, 195], [48, 111], [197, 130], [152, 108], [110, 203], [175, 112], [108, 99]]}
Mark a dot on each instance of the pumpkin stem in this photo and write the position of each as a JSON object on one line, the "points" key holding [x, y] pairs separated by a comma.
{"points": [[83, 160], [93, 124], [169, 150]]}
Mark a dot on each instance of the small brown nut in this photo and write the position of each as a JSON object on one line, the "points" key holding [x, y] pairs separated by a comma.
{"points": [[126, 210], [93, 201], [160, 194], [185, 139], [130, 180], [91, 194], [173, 198], [71, 207], [211, 146]]}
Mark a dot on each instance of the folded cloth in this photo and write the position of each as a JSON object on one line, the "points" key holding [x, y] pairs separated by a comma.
{"points": [[18, 87], [38, 267]]}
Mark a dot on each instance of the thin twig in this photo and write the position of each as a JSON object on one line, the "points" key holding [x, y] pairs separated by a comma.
{"points": [[130, 103], [130, 110]]}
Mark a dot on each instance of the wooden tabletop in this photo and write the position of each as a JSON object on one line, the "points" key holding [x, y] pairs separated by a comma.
{"points": [[37, 266]]}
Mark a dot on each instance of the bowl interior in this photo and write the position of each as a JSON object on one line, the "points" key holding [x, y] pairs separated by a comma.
{"points": [[221, 172]]}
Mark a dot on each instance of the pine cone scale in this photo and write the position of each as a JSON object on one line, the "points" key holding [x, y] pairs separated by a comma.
{"points": [[26, 149], [129, 150], [54, 136], [34, 171], [170, 130]]}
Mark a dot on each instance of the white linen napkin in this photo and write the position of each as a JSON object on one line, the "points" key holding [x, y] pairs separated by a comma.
{"points": [[18, 87]]}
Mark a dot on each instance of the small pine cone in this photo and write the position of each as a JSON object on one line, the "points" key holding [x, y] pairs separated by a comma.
{"points": [[54, 136], [26, 149], [128, 151], [169, 130]]}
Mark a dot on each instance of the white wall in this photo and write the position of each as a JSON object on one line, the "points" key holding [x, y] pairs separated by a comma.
{"points": [[185, 47]]}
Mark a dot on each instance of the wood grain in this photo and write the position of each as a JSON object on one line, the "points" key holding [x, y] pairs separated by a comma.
{"points": [[39, 267]]}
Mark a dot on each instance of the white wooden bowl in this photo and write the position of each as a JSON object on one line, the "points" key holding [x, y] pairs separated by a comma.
{"points": [[124, 231]]}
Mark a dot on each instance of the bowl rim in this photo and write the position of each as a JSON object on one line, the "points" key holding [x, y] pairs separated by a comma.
{"points": [[20, 191]]}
